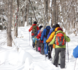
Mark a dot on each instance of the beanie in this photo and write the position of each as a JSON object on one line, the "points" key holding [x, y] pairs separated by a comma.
{"points": [[40, 27], [60, 29], [57, 25], [35, 22]]}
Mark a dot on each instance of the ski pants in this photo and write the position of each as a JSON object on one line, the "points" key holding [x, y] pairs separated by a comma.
{"points": [[42, 48], [50, 47], [38, 42], [62, 59], [45, 49], [33, 42]]}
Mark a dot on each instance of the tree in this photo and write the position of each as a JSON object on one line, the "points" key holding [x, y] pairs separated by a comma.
{"points": [[16, 24], [9, 37]]}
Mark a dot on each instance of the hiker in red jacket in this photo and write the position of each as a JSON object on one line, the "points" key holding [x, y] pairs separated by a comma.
{"points": [[34, 28], [38, 46]]}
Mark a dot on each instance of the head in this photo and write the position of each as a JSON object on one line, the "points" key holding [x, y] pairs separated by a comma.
{"points": [[53, 26], [40, 27], [60, 29], [57, 25], [35, 22], [48, 27]]}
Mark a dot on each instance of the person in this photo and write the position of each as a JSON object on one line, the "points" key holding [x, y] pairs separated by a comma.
{"points": [[38, 38], [53, 33], [50, 47], [60, 40], [34, 28], [50, 37], [44, 37], [75, 52]]}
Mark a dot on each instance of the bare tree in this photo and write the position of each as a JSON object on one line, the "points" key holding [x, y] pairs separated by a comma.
{"points": [[9, 37], [16, 25]]}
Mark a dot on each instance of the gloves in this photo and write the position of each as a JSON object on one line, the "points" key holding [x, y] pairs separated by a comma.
{"points": [[48, 44]]}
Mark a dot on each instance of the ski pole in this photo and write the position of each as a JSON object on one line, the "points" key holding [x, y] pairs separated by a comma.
{"points": [[68, 52], [29, 38], [75, 64]]}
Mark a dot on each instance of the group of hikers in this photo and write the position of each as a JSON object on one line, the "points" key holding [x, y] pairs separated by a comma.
{"points": [[45, 39]]}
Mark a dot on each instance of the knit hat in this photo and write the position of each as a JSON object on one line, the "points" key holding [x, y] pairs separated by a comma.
{"points": [[35, 22], [60, 29], [57, 25], [40, 27]]}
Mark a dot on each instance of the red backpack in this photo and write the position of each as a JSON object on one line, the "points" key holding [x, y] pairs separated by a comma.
{"points": [[59, 40]]}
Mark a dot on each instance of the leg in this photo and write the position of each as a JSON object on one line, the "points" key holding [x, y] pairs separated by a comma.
{"points": [[62, 58], [45, 49], [33, 43], [42, 48], [57, 50], [37, 46], [49, 51]]}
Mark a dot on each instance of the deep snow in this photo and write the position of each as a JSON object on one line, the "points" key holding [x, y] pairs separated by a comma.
{"points": [[21, 56]]}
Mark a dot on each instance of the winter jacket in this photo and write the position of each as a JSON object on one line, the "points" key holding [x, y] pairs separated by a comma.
{"points": [[65, 37], [51, 30], [75, 52], [32, 27], [39, 34], [43, 35], [51, 35]]}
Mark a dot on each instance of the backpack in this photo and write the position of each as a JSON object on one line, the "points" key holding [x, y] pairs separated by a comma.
{"points": [[59, 40], [34, 30]]}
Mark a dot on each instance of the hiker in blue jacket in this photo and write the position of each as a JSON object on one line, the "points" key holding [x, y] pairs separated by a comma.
{"points": [[44, 38], [75, 52], [51, 30]]}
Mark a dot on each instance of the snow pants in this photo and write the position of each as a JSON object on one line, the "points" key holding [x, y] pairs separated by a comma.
{"points": [[33, 41], [42, 48], [50, 47], [45, 49], [62, 59], [38, 44]]}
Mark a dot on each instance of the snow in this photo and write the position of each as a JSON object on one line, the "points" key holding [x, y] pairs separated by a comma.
{"points": [[21, 56]]}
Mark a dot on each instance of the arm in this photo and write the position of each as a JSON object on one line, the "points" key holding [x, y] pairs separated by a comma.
{"points": [[49, 33], [50, 37], [42, 35], [37, 28], [30, 29], [39, 35], [53, 41], [67, 38]]}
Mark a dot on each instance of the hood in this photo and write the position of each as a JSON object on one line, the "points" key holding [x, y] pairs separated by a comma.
{"points": [[47, 27]]}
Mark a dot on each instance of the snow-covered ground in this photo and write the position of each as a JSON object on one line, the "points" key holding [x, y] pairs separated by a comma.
{"points": [[21, 56]]}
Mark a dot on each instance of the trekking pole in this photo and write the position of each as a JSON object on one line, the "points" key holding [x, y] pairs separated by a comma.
{"points": [[75, 64], [68, 52], [29, 38]]}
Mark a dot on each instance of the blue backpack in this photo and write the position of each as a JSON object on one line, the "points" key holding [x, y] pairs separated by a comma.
{"points": [[75, 52]]}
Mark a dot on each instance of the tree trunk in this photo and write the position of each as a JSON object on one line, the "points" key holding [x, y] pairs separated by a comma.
{"points": [[16, 25], [9, 37], [46, 21], [54, 12], [27, 15]]}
